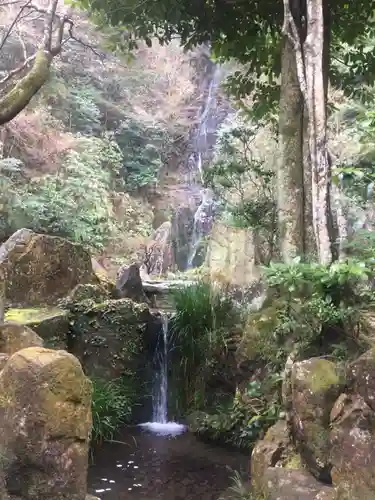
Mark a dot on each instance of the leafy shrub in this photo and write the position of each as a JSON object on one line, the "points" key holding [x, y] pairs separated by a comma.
{"points": [[112, 405], [243, 183], [312, 308], [247, 418], [141, 146], [200, 330]]}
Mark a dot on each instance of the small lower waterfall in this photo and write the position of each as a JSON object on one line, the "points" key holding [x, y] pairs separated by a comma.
{"points": [[160, 396], [160, 424]]}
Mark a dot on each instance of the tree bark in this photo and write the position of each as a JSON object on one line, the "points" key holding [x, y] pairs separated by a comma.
{"points": [[311, 56], [21, 94], [314, 48], [290, 175]]}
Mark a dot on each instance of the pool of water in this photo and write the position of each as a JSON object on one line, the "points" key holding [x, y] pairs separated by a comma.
{"points": [[148, 466]]}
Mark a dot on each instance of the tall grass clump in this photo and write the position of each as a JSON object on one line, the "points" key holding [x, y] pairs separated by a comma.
{"points": [[112, 404], [200, 330]]}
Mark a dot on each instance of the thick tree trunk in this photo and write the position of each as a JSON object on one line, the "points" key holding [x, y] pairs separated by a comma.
{"points": [[290, 173], [311, 57]]}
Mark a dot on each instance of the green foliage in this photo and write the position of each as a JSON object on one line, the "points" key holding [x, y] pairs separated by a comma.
{"points": [[141, 146], [241, 182], [245, 420], [314, 308], [200, 329], [112, 405], [74, 202], [249, 32], [75, 103]]}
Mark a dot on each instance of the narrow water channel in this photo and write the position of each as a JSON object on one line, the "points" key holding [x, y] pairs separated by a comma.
{"points": [[153, 467]]}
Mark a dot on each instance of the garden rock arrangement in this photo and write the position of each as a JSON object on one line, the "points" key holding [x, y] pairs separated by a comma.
{"points": [[45, 396], [325, 449]]}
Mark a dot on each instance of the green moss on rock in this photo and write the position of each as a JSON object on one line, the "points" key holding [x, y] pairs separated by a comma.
{"points": [[323, 375], [316, 384]]}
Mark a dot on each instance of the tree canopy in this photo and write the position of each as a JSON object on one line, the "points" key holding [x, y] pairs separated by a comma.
{"points": [[249, 31]]}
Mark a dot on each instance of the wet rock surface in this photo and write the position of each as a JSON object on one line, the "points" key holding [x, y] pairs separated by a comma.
{"points": [[149, 467]]}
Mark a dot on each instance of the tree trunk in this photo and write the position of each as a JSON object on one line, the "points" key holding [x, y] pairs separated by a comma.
{"points": [[21, 94], [316, 105], [290, 172], [311, 61]]}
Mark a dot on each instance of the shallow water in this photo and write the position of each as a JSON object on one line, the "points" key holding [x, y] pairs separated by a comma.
{"points": [[148, 466]]}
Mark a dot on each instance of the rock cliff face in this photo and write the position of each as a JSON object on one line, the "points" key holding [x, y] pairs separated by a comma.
{"points": [[325, 447]]}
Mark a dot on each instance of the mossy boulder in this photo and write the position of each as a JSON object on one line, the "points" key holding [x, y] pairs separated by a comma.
{"points": [[352, 440], [316, 384], [109, 337], [45, 411], [14, 337], [40, 269], [50, 323]]}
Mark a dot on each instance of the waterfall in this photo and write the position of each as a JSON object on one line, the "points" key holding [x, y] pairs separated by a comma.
{"points": [[160, 396], [203, 219], [160, 424], [204, 141]]}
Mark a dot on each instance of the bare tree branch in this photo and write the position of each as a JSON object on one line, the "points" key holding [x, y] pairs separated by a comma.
{"points": [[58, 30], [13, 24]]}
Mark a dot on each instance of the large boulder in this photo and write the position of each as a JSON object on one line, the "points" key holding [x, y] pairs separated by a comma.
{"points": [[41, 269], [45, 411], [361, 377], [316, 384], [14, 337]]}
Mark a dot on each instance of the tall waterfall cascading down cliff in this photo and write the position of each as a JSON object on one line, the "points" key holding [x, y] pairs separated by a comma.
{"points": [[205, 138]]}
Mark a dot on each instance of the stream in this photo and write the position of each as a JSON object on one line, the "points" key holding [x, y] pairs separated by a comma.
{"points": [[147, 466]]}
